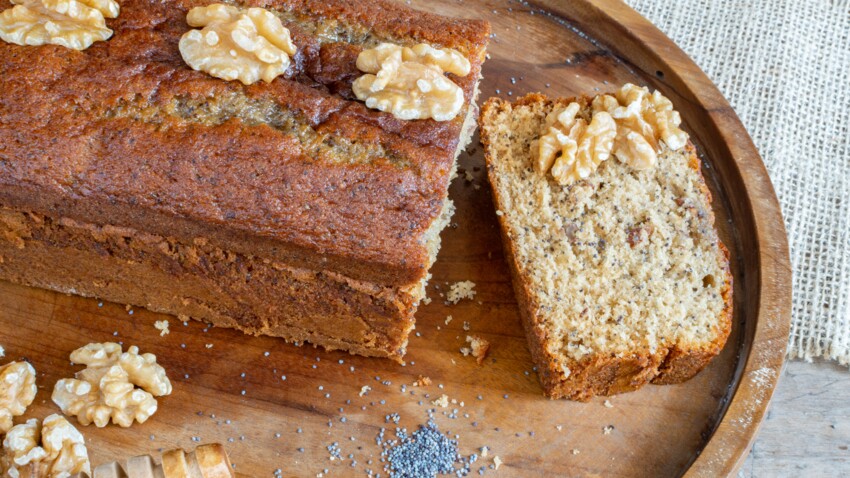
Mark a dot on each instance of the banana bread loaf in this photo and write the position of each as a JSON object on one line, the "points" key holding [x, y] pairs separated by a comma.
{"points": [[620, 275], [285, 208]]}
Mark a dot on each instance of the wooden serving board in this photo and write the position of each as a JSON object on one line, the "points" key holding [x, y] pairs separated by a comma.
{"points": [[229, 387]]}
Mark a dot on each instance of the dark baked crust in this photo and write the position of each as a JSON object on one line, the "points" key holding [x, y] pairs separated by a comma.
{"points": [[599, 375], [76, 140], [201, 281]]}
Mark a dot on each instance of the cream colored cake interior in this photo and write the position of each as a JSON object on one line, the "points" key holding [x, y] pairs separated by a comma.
{"points": [[627, 260]]}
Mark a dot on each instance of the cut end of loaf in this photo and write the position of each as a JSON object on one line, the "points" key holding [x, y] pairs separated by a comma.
{"points": [[621, 278]]}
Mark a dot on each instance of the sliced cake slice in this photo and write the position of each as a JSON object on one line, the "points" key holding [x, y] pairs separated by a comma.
{"points": [[606, 219]]}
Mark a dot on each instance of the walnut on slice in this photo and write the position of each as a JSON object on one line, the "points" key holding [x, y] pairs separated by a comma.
{"points": [[643, 119], [115, 385], [572, 149], [17, 391]]}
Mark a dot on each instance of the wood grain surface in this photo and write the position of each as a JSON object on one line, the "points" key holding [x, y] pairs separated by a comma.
{"points": [[278, 406], [806, 432]]}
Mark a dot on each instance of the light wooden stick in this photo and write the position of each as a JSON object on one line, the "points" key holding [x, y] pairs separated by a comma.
{"points": [[206, 461]]}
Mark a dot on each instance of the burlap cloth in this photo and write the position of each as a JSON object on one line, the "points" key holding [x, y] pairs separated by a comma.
{"points": [[785, 67]]}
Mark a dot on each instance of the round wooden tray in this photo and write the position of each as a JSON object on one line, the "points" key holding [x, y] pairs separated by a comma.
{"points": [[228, 389]]}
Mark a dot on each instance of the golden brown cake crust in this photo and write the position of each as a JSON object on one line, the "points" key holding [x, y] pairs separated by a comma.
{"points": [[112, 135], [597, 375]]}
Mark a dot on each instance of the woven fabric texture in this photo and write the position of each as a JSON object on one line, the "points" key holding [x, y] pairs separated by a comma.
{"points": [[784, 65]]}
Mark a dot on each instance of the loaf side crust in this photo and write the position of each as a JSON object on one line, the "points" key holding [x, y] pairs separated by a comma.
{"points": [[596, 374], [203, 282]]}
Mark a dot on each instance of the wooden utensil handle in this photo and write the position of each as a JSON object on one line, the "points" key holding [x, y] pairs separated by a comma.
{"points": [[206, 461]]}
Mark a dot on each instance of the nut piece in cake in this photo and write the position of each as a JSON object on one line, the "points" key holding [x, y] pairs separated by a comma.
{"points": [[248, 45], [115, 385], [410, 83], [54, 449], [17, 391], [69, 23]]}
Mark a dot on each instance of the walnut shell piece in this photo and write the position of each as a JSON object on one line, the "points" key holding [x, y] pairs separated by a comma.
{"points": [[410, 82], [17, 391], [69, 23], [248, 45]]}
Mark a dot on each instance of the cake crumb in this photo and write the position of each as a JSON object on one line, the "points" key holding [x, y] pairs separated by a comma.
{"points": [[364, 390], [608, 404], [209, 346], [441, 402], [426, 300], [607, 430], [575, 451], [2, 352], [484, 451], [497, 462], [461, 290], [559, 427], [480, 347], [422, 381], [448, 319], [162, 326], [468, 176]]}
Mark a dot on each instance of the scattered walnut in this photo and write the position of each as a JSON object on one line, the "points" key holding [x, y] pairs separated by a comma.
{"points": [[162, 326], [410, 82], [248, 45], [642, 120], [422, 381], [107, 388], [97, 355], [573, 149], [69, 23], [479, 347], [17, 391], [55, 450], [442, 402]]}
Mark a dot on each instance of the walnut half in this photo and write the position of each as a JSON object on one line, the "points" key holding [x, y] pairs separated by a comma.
{"points": [[54, 449], [643, 119], [114, 386], [248, 45], [410, 82], [17, 391], [573, 149], [70, 23]]}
